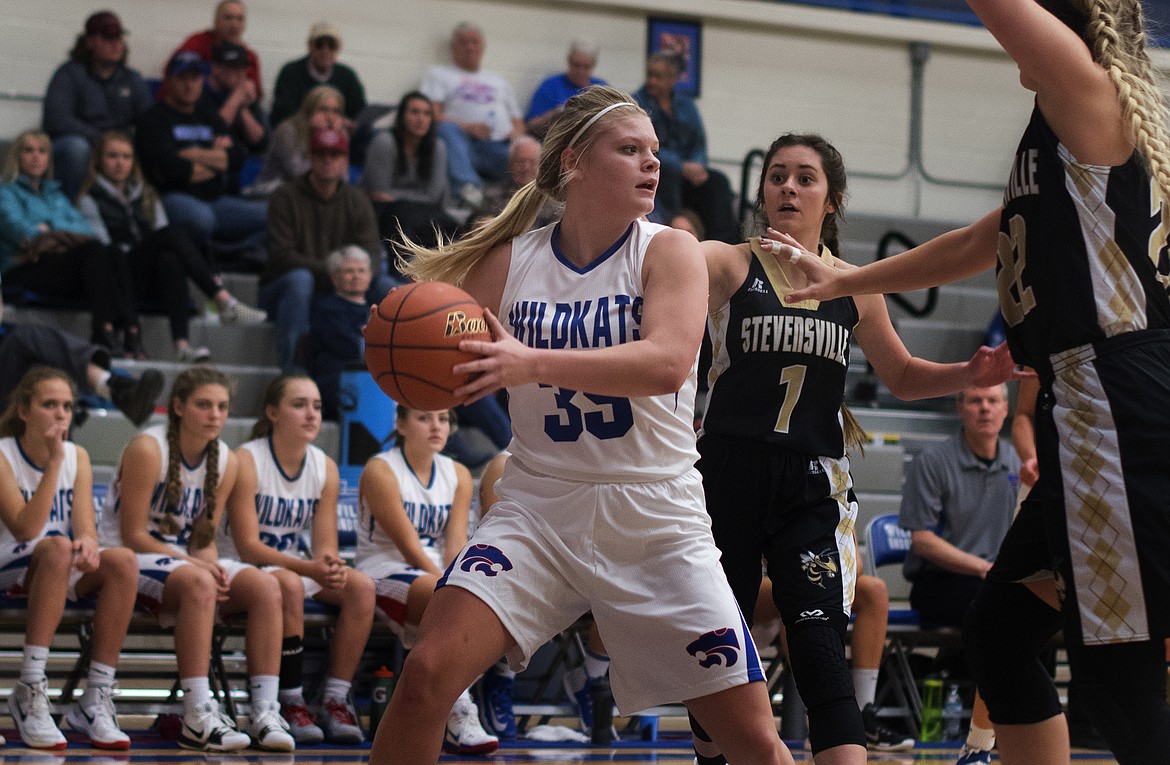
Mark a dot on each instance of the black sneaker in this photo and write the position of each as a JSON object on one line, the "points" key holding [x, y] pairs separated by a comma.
{"points": [[880, 738], [136, 397]]}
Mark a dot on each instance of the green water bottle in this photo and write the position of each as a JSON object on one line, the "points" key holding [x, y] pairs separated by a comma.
{"points": [[932, 708], [380, 695]]}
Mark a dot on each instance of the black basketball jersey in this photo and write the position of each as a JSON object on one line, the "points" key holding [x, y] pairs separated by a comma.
{"points": [[777, 369], [1082, 250]]}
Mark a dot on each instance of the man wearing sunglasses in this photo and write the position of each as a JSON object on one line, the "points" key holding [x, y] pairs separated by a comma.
{"points": [[319, 67]]}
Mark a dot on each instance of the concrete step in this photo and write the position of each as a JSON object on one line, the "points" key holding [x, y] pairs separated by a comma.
{"points": [[940, 340], [251, 381], [229, 344], [106, 433], [879, 469]]}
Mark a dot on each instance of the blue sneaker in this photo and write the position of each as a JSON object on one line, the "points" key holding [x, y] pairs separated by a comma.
{"points": [[969, 756], [578, 689], [493, 696]]}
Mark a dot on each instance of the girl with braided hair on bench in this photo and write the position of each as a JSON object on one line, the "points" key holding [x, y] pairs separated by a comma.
{"points": [[166, 501]]}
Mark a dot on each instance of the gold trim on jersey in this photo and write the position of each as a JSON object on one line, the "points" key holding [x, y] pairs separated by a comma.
{"points": [[779, 279]]}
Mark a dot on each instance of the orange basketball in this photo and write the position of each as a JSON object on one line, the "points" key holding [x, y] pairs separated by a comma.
{"points": [[412, 342]]}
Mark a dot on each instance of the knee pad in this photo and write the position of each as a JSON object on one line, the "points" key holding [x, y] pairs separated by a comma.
{"points": [[823, 677], [697, 730], [1004, 631]]}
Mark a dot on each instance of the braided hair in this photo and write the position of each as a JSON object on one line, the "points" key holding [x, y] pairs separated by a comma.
{"points": [[185, 386], [1115, 32]]}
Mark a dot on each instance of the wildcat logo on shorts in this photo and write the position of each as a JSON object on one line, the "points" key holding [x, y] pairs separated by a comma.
{"points": [[818, 567], [459, 324], [485, 559], [716, 647]]}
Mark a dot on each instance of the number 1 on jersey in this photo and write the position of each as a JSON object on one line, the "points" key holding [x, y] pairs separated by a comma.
{"points": [[792, 378]]}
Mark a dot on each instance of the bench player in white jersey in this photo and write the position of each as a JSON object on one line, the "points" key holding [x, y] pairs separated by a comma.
{"points": [[49, 553], [286, 485], [1080, 251], [413, 507], [171, 484], [599, 506]]}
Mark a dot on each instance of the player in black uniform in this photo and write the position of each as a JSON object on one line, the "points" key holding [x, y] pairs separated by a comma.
{"points": [[772, 447], [1081, 259]]}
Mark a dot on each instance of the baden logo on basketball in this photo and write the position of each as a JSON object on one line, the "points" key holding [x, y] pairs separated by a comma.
{"points": [[459, 324]]}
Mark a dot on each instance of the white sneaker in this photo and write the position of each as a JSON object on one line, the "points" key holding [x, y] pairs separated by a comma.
{"points": [[194, 354], [464, 734], [339, 721], [268, 729], [209, 729], [239, 313], [94, 716], [300, 724], [29, 705]]}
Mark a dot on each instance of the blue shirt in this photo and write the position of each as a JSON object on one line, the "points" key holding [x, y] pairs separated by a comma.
{"points": [[681, 137], [554, 92], [23, 210]]}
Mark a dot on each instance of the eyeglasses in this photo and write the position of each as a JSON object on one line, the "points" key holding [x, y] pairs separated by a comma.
{"points": [[325, 42]]}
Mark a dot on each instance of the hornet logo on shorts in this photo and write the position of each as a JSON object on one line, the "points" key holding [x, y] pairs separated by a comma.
{"points": [[716, 647], [818, 567], [485, 559]]}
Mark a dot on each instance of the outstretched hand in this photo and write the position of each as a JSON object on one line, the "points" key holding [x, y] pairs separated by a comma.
{"points": [[506, 362], [821, 278], [992, 366]]}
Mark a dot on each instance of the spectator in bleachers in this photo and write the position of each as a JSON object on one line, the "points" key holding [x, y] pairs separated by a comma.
{"points": [[336, 322], [685, 180], [173, 482], [409, 532], [126, 214], [308, 219], [188, 154], [288, 153], [556, 89], [39, 345], [958, 502], [477, 114], [231, 19], [280, 467], [92, 92], [319, 67], [229, 90], [49, 552], [406, 174], [48, 248], [523, 161]]}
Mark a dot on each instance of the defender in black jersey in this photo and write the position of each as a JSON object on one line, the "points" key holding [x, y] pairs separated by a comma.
{"points": [[772, 448], [1080, 250]]}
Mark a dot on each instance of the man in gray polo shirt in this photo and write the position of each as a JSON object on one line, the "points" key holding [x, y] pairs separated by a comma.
{"points": [[958, 503]]}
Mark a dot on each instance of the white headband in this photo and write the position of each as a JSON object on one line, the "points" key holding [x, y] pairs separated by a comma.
{"points": [[589, 123]]}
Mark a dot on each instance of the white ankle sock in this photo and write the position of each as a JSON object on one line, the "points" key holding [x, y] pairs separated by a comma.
{"points": [[33, 668], [981, 738], [196, 692], [264, 688], [336, 689], [865, 686]]}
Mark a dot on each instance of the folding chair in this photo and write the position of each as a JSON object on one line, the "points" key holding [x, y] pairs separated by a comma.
{"points": [[886, 544]]}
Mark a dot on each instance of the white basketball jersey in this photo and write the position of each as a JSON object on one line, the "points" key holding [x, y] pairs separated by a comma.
{"points": [[550, 303], [28, 478], [427, 500], [284, 504], [171, 525]]}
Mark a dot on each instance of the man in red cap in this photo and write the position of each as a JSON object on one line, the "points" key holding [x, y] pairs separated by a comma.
{"points": [[92, 92], [307, 219]]}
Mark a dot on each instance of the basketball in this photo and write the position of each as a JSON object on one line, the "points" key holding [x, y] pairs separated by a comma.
{"points": [[412, 342]]}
